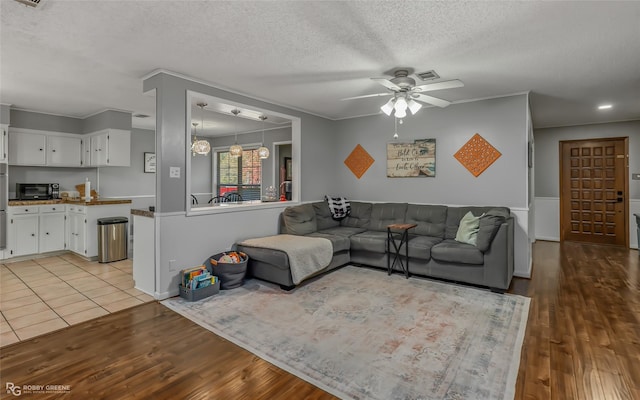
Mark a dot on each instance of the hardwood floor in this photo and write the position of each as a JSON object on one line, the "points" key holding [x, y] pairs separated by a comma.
{"points": [[582, 342]]}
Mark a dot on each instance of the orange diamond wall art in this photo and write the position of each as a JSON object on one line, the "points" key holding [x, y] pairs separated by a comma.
{"points": [[477, 155], [359, 161]]}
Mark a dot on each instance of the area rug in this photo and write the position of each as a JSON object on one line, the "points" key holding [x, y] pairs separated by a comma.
{"points": [[360, 334]]}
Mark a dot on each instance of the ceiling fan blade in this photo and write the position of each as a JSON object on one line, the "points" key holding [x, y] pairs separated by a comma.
{"points": [[387, 83], [431, 100], [367, 95], [438, 86]]}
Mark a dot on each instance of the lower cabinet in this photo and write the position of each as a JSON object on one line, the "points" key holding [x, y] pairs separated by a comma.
{"points": [[23, 234], [46, 228]]}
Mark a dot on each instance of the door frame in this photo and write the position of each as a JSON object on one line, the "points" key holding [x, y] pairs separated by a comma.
{"points": [[625, 139]]}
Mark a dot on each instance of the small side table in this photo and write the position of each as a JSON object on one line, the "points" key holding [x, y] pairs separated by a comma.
{"points": [[395, 231]]}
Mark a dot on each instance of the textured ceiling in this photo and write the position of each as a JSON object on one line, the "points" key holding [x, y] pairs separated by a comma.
{"points": [[80, 57]]}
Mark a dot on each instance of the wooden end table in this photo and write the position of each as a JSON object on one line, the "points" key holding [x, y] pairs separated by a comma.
{"points": [[395, 231]]}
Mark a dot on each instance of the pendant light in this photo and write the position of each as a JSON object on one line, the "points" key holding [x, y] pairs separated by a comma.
{"points": [[200, 146], [236, 149], [263, 152]]}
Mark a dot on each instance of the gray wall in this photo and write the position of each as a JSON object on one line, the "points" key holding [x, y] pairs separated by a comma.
{"points": [[45, 122], [502, 122], [107, 119], [171, 91], [5, 114], [547, 168]]}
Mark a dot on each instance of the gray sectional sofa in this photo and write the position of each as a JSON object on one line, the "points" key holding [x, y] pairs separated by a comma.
{"points": [[361, 238]]}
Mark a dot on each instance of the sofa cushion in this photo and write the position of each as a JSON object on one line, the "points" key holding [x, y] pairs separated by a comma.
{"points": [[489, 224], [420, 246], [430, 219], [345, 231], [300, 220], [340, 243], [384, 214], [455, 252], [372, 241], [455, 214], [324, 219], [468, 229], [359, 217]]}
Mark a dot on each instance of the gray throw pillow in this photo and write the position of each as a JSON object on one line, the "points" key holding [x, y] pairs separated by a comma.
{"points": [[468, 229], [489, 225], [300, 220]]}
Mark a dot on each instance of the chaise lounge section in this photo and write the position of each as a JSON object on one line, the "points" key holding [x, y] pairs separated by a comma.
{"points": [[361, 239]]}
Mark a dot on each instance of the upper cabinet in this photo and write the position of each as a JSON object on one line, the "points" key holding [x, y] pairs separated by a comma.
{"points": [[3, 143], [27, 148], [64, 151], [109, 147]]}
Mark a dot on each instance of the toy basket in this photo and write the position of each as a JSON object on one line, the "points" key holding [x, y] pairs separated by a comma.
{"points": [[231, 275]]}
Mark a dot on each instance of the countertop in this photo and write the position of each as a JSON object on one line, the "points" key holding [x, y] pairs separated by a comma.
{"points": [[142, 213], [98, 202]]}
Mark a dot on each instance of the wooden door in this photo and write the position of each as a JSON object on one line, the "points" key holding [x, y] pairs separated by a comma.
{"points": [[593, 191]]}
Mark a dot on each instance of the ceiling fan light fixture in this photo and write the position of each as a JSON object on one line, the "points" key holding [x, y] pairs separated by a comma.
{"points": [[401, 107], [414, 106], [387, 108], [401, 113]]}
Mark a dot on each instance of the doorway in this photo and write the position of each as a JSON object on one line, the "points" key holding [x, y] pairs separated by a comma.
{"points": [[593, 191]]}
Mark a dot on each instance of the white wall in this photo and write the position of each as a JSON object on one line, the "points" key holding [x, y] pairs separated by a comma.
{"points": [[547, 172]]}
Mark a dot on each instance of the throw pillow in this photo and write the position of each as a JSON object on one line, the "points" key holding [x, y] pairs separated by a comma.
{"points": [[300, 220], [468, 229], [489, 225]]}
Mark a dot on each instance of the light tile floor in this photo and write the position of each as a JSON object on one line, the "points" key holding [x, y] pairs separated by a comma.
{"points": [[46, 294]]}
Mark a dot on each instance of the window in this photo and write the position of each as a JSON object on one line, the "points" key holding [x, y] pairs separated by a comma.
{"points": [[242, 175]]}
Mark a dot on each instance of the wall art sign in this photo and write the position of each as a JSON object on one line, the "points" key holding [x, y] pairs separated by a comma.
{"points": [[149, 162], [359, 161], [411, 159], [477, 155]]}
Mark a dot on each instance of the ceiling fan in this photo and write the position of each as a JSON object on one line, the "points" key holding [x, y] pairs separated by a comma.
{"points": [[406, 94]]}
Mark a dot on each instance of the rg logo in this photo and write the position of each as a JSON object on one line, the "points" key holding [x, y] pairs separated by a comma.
{"points": [[13, 389]]}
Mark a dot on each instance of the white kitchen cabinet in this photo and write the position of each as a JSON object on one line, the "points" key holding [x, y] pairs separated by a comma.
{"points": [[52, 228], [64, 151], [86, 152], [27, 148], [77, 231], [83, 225], [111, 147], [22, 231], [3, 143]]}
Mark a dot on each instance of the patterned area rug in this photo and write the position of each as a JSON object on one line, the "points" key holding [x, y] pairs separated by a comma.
{"points": [[360, 334]]}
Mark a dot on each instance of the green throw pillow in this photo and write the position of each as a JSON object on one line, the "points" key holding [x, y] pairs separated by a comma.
{"points": [[468, 229]]}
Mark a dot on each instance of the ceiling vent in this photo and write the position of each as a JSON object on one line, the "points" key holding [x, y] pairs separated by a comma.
{"points": [[32, 3], [427, 76]]}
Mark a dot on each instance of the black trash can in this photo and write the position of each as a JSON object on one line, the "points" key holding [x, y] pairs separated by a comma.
{"points": [[231, 275], [113, 239]]}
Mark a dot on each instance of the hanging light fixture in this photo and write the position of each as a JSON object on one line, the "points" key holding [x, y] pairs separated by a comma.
{"points": [[200, 146], [387, 108], [263, 152], [236, 149], [400, 103], [414, 106]]}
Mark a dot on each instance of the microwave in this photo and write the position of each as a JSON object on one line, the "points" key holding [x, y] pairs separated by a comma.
{"points": [[37, 191]]}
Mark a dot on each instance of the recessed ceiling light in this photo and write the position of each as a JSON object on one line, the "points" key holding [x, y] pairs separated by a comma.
{"points": [[605, 107]]}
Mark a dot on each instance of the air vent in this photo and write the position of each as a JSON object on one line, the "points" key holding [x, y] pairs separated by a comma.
{"points": [[427, 76], [141, 115], [32, 3]]}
